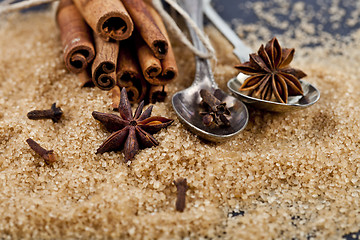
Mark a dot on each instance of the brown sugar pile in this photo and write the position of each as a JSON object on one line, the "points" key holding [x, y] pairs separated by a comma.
{"points": [[291, 175]]}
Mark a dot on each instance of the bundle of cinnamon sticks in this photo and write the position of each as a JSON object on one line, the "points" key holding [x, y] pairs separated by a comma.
{"points": [[116, 44]]}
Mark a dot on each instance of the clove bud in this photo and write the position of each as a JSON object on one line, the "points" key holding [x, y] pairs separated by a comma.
{"points": [[215, 112], [54, 113], [182, 187], [47, 155]]}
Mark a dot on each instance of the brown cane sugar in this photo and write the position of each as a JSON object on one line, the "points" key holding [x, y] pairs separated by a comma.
{"points": [[287, 175]]}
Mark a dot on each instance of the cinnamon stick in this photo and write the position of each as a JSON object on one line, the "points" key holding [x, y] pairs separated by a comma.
{"points": [[75, 36], [147, 28], [133, 94], [85, 78], [157, 93], [150, 65], [108, 18], [142, 87], [168, 64], [129, 74], [127, 64], [115, 96], [104, 65]]}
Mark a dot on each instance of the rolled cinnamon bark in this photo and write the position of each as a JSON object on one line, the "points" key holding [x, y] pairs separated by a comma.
{"points": [[157, 93], [141, 86], [129, 74], [168, 64], [108, 18], [147, 28], [150, 65], [127, 64], [104, 65], [85, 78], [132, 92], [115, 96], [75, 36]]}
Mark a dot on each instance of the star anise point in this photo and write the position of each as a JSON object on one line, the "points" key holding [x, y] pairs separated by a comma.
{"points": [[270, 75], [129, 131]]}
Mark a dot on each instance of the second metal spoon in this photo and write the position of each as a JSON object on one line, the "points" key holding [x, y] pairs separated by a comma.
{"points": [[311, 93]]}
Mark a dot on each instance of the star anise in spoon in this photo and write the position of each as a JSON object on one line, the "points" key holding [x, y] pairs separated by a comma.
{"points": [[270, 73], [128, 131]]}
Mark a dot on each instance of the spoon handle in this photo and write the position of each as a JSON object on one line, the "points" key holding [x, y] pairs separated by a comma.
{"points": [[240, 49], [194, 9], [203, 75]]}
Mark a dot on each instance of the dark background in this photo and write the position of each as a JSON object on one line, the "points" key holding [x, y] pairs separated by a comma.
{"points": [[242, 11]]}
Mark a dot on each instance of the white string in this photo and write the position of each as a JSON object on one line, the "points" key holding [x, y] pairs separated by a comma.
{"points": [[174, 28], [22, 5]]}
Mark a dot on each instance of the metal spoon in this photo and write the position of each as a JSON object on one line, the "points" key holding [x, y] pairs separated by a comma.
{"points": [[311, 93], [186, 103]]}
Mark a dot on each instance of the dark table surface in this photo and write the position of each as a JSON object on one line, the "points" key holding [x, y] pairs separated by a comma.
{"points": [[242, 11]]}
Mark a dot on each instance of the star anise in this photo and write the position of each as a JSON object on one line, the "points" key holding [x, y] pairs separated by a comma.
{"points": [[130, 132], [270, 73], [215, 112]]}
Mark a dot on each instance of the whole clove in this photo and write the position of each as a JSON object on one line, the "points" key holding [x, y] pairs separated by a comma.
{"points": [[182, 187], [48, 155], [54, 113], [215, 112]]}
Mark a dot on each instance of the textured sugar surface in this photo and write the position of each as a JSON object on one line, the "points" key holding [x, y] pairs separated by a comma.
{"points": [[293, 175]]}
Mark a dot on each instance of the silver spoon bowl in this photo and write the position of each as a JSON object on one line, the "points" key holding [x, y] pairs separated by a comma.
{"points": [[311, 93], [186, 103], [311, 96]]}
